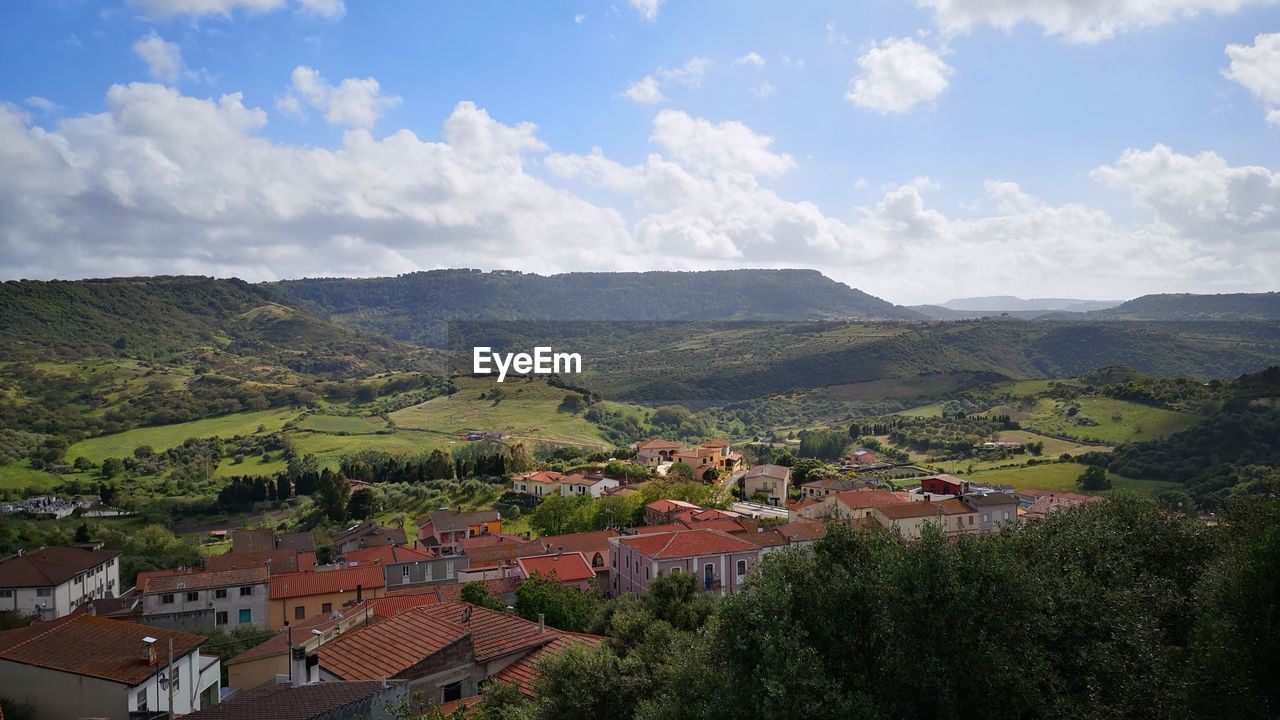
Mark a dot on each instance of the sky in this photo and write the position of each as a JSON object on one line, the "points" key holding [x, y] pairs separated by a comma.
{"points": [[919, 150]]}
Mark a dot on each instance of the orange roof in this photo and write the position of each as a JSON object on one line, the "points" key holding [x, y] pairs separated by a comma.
{"points": [[864, 499], [909, 510], [524, 672], [657, 444], [387, 555], [390, 647], [205, 580], [666, 506], [728, 525], [586, 542], [546, 477], [717, 443], [952, 506], [687, 543], [565, 567], [278, 561], [94, 646], [654, 529], [489, 540], [287, 585]]}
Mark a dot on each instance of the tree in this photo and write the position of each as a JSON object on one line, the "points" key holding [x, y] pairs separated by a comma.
{"points": [[331, 495], [562, 606], [83, 535], [362, 504], [1094, 478], [112, 468], [477, 593], [679, 472]]}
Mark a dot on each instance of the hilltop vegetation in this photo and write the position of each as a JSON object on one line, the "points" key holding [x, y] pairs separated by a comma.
{"points": [[1184, 306]]}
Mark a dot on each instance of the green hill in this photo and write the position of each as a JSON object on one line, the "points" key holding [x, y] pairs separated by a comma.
{"points": [[1185, 306]]}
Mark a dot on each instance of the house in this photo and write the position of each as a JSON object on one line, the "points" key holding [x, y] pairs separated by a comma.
{"points": [[594, 485], [407, 567], [443, 651], [726, 459], [951, 516], [267, 661], [719, 560], [817, 489], [862, 458], [944, 485], [852, 504], [275, 561], [85, 666], [767, 484], [366, 700], [594, 546], [51, 582], [701, 459], [255, 541], [663, 512], [540, 483], [298, 596], [524, 673], [487, 560], [652, 453], [996, 510], [226, 599], [441, 530], [570, 568], [1047, 503], [367, 534]]}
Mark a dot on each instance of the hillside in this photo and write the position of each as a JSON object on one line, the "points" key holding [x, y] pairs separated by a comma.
{"points": [[416, 306], [1238, 306]]}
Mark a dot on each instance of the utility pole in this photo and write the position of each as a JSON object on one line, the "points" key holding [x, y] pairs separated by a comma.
{"points": [[169, 674]]}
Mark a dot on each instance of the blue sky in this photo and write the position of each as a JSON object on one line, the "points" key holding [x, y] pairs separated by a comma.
{"points": [[993, 149]]}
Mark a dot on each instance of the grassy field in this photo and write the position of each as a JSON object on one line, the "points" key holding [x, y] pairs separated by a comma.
{"points": [[340, 424], [1053, 447], [166, 436], [17, 476], [522, 410], [1118, 421], [1061, 477]]}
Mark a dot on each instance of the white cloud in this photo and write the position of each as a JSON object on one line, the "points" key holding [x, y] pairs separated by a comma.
{"points": [[835, 37], [1257, 68], [647, 8], [165, 183], [579, 18], [44, 105], [357, 102], [1083, 21], [712, 148], [898, 74], [649, 89], [764, 89], [165, 9], [751, 58], [163, 58], [644, 91]]}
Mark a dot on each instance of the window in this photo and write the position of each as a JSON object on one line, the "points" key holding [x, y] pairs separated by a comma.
{"points": [[48, 592], [246, 590], [142, 700], [6, 593], [220, 594], [220, 617], [675, 570], [246, 616], [451, 692], [448, 569], [111, 563], [166, 599], [970, 519], [404, 574], [646, 573], [300, 612], [742, 568], [177, 677], [986, 517], [708, 574], [326, 608], [193, 597], [597, 561]]}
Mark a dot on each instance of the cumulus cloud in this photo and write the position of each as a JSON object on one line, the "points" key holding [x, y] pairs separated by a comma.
{"points": [[649, 89], [1257, 68], [44, 105], [648, 8], [165, 9], [711, 148], [764, 89], [751, 58], [898, 74], [1084, 21], [163, 58], [357, 102]]}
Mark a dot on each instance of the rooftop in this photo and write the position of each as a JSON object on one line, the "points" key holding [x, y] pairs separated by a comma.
{"points": [[396, 535], [687, 543], [93, 646], [287, 585], [657, 444], [284, 702], [524, 672], [778, 472], [390, 647], [387, 555], [205, 580], [281, 560], [451, 520], [252, 541], [863, 499], [50, 566], [586, 542], [983, 500], [666, 506], [546, 477], [565, 567]]}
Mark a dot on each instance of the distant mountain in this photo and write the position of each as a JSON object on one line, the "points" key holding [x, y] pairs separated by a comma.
{"points": [[1009, 303], [938, 312], [415, 307], [1238, 306]]}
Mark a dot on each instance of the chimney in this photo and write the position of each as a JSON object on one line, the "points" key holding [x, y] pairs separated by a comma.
{"points": [[148, 655], [298, 661], [542, 623]]}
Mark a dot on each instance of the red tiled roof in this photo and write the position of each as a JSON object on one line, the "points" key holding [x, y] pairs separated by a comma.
{"points": [[908, 510], [545, 477], [489, 540], [499, 554], [728, 525], [387, 555], [205, 580], [688, 543], [666, 506], [657, 444], [654, 529], [565, 567], [278, 644], [586, 542], [864, 499], [93, 646], [952, 506], [50, 566], [284, 702], [278, 561], [717, 443], [524, 672], [496, 633], [390, 647], [449, 708], [287, 585]]}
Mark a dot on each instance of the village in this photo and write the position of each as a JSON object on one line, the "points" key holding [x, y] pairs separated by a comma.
{"points": [[388, 614]]}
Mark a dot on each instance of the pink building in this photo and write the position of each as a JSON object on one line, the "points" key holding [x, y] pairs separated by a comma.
{"points": [[720, 561]]}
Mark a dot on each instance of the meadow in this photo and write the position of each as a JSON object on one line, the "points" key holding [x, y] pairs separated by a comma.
{"points": [[163, 437], [1118, 421], [1061, 477]]}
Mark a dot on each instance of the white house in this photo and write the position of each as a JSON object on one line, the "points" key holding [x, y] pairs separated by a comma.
{"points": [[53, 581], [593, 485], [88, 666]]}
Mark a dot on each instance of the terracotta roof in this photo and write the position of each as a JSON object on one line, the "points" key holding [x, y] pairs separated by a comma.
{"points": [[387, 555], [687, 543], [864, 499], [499, 554], [489, 540], [451, 520], [284, 702], [584, 480], [714, 514], [907, 510], [777, 472], [278, 644], [205, 580], [952, 506], [545, 477], [287, 585], [717, 443], [524, 672], [728, 525], [655, 529], [50, 566], [657, 444], [496, 633], [698, 452], [391, 606], [586, 542], [565, 567], [666, 506], [278, 561], [252, 541], [94, 646], [799, 532], [390, 647], [450, 592]]}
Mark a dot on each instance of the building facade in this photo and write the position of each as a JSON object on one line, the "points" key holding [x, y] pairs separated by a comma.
{"points": [[52, 582]]}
